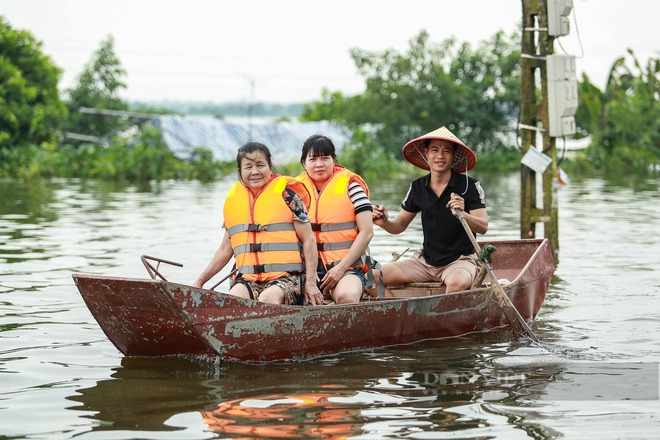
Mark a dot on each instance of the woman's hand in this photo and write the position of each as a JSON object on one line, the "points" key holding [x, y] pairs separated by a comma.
{"points": [[331, 278], [313, 295]]}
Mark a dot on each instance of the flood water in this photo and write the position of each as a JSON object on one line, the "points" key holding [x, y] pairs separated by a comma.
{"points": [[594, 376]]}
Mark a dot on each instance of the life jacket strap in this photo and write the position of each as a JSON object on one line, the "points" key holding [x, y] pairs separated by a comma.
{"points": [[371, 281], [266, 247], [329, 227], [359, 262], [261, 268], [334, 246], [253, 227]]}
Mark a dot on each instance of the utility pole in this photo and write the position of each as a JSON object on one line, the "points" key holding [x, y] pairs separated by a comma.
{"points": [[547, 105]]}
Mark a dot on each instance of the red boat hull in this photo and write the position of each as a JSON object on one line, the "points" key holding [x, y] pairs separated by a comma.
{"points": [[144, 317]]}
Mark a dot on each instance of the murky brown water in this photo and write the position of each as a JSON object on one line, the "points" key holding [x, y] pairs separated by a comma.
{"points": [[596, 376]]}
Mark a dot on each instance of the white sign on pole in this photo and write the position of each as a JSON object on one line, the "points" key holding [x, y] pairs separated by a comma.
{"points": [[536, 160]]}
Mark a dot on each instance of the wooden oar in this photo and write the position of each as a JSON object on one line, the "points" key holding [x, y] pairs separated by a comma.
{"points": [[517, 322]]}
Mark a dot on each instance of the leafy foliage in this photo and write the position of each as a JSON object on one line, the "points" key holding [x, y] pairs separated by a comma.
{"points": [[364, 157], [472, 91], [30, 105], [140, 159], [98, 86], [624, 119]]}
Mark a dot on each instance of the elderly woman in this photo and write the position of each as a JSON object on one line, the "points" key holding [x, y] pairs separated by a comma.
{"points": [[267, 231]]}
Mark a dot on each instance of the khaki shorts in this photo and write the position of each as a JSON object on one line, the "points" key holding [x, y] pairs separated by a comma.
{"points": [[419, 271]]}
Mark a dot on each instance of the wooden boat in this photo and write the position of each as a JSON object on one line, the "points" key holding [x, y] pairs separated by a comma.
{"points": [[154, 317]]}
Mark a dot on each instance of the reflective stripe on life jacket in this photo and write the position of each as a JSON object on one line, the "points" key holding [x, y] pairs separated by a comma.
{"points": [[261, 230], [333, 216]]}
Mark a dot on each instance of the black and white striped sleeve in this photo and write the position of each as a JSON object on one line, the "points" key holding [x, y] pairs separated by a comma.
{"points": [[359, 198]]}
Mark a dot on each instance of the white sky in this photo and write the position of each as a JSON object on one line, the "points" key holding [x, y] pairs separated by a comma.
{"points": [[212, 50]]}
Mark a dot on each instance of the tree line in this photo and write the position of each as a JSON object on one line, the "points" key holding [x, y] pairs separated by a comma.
{"points": [[474, 90]]}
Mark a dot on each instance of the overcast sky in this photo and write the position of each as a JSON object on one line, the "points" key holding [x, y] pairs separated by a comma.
{"points": [[213, 50]]}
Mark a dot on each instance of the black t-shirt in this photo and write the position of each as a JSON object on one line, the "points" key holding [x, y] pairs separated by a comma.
{"points": [[445, 240]]}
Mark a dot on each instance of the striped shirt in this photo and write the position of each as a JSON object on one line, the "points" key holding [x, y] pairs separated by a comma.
{"points": [[359, 198]]}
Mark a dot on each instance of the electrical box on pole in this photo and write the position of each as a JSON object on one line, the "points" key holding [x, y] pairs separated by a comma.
{"points": [[558, 11], [562, 94]]}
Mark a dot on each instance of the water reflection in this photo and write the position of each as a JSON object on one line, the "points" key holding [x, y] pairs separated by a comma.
{"points": [[143, 394], [26, 202], [386, 390], [286, 416], [470, 384], [421, 388]]}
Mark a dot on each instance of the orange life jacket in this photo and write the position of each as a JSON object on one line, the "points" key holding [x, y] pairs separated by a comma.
{"points": [[333, 216], [261, 231]]}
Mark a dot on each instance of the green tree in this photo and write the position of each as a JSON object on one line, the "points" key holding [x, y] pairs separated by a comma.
{"points": [[475, 92], [624, 119], [98, 86], [30, 105], [589, 117]]}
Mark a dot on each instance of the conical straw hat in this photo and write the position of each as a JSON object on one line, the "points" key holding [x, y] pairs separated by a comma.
{"points": [[464, 157]]}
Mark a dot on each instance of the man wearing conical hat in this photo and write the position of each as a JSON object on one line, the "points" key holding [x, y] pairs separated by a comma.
{"points": [[447, 255]]}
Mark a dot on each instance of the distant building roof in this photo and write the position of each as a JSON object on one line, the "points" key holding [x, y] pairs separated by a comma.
{"points": [[223, 137]]}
